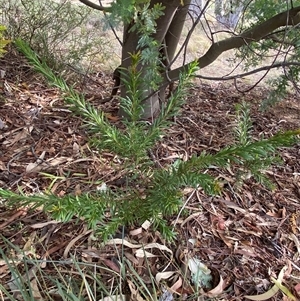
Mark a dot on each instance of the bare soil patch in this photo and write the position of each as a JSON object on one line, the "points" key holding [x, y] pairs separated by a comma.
{"points": [[247, 234]]}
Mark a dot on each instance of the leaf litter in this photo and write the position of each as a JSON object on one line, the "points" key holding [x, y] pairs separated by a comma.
{"points": [[247, 237]]}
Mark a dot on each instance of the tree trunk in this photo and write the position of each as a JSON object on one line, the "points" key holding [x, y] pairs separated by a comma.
{"points": [[169, 28]]}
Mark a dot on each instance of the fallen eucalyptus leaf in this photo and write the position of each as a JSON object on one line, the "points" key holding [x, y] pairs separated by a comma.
{"points": [[271, 292], [267, 295], [164, 275], [284, 289]]}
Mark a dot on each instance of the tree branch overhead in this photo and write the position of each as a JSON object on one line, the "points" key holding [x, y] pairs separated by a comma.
{"points": [[287, 18], [94, 5]]}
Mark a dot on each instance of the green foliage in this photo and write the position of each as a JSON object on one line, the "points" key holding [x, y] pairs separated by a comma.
{"points": [[260, 10], [243, 124], [139, 17], [255, 168], [145, 26], [279, 46], [151, 193], [56, 30], [280, 88], [3, 41], [125, 10], [68, 280], [29, 281], [284, 83]]}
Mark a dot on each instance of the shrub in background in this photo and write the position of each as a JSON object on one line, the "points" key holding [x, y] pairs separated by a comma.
{"points": [[59, 31], [3, 41]]}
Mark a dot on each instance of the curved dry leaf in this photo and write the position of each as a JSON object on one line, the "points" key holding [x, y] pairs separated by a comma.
{"points": [[281, 273], [192, 241], [131, 258], [76, 149], [284, 289], [135, 294], [190, 217], [296, 241], [57, 161], [33, 167], [217, 290], [74, 240], [271, 292], [114, 298], [120, 241], [34, 288], [23, 134], [225, 239], [111, 264], [267, 295], [42, 225], [141, 253], [164, 275], [36, 166], [136, 231], [158, 246], [177, 285]]}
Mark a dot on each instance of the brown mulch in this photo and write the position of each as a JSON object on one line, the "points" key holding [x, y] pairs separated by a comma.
{"points": [[246, 235]]}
